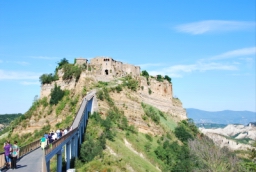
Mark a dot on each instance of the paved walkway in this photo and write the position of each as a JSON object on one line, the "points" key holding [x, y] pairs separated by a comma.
{"points": [[32, 162]]}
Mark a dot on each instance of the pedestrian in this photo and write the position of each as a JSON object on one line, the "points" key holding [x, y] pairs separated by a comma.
{"points": [[7, 147], [61, 131], [65, 131], [15, 152], [50, 138], [43, 142]]}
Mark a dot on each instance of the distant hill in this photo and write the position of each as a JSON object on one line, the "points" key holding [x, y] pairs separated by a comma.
{"points": [[221, 117], [5, 119]]}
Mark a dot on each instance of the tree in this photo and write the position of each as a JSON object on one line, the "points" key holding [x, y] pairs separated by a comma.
{"points": [[62, 62], [212, 157], [145, 73], [159, 78], [168, 78], [56, 95]]}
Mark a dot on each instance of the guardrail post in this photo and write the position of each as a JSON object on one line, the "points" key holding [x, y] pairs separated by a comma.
{"points": [[59, 161], [68, 155], [48, 166]]}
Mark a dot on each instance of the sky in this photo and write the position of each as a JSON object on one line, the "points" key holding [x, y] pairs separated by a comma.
{"points": [[208, 48]]}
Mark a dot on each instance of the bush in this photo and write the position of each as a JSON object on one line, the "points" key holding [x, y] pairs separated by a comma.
{"points": [[48, 78], [119, 88], [166, 77], [130, 83], [71, 71], [149, 137], [149, 91], [56, 95], [145, 73], [159, 78]]}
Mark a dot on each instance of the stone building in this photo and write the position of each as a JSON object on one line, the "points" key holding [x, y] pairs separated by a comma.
{"points": [[107, 66]]}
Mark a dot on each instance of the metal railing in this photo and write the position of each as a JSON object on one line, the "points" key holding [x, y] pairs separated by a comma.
{"points": [[23, 151], [2, 160], [56, 143], [36, 144], [29, 148]]}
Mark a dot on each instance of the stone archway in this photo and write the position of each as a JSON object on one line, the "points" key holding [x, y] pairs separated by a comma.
{"points": [[106, 72]]}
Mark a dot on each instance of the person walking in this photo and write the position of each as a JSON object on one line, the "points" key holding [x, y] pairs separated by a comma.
{"points": [[7, 147], [43, 142], [15, 152]]}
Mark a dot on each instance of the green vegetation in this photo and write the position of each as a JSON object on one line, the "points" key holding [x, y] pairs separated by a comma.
{"points": [[48, 78], [130, 83], [151, 113], [161, 79], [5, 119], [166, 77], [56, 95], [149, 91], [71, 71]]}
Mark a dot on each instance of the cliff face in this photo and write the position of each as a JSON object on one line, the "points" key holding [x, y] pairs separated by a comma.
{"points": [[160, 96], [150, 91]]}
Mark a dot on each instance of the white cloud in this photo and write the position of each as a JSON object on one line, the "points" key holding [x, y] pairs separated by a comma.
{"points": [[18, 75], [29, 83], [235, 53], [179, 70], [205, 26], [19, 62]]}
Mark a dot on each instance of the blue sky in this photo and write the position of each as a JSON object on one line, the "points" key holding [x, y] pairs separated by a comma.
{"points": [[207, 47]]}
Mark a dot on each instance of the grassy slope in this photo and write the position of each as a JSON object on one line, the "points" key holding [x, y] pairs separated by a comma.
{"points": [[126, 159]]}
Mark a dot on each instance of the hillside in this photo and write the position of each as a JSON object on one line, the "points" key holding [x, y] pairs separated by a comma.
{"points": [[138, 125], [6, 119], [221, 117]]}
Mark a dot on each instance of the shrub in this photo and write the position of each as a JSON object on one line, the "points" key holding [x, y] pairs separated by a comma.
{"points": [[149, 137], [166, 77], [118, 88], [71, 71], [56, 95], [149, 91], [48, 78], [62, 62], [145, 73], [159, 78], [130, 83]]}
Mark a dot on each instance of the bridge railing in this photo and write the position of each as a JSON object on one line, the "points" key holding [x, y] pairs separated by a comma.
{"points": [[29, 148], [2, 160], [23, 151], [56, 143]]}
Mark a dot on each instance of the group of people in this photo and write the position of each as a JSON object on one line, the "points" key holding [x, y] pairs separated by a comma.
{"points": [[52, 136], [11, 152]]}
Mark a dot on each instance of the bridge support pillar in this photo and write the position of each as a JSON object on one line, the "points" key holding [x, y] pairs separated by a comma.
{"points": [[59, 161], [48, 166], [76, 145], [73, 147], [68, 155]]}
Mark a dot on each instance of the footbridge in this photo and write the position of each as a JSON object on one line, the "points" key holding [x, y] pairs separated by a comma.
{"points": [[33, 159]]}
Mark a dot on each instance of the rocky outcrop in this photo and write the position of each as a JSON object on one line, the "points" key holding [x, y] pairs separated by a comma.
{"points": [[239, 131], [220, 136]]}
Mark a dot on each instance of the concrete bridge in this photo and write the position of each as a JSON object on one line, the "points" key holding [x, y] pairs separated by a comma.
{"points": [[33, 159]]}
